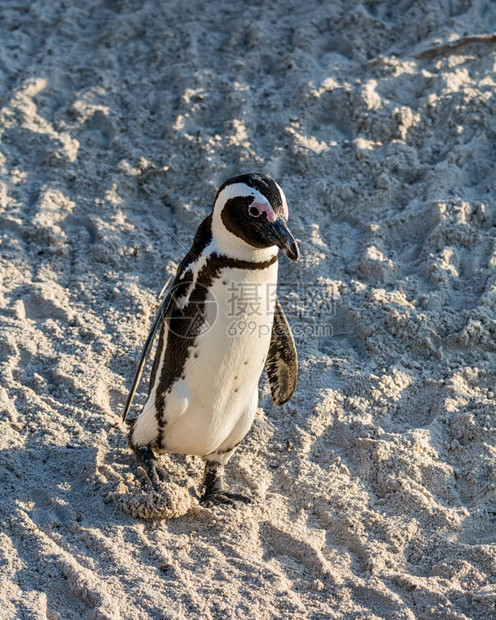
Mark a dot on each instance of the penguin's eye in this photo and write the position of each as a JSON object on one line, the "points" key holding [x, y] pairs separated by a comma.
{"points": [[254, 211]]}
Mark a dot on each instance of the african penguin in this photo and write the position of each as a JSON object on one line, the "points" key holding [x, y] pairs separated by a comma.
{"points": [[220, 324]]}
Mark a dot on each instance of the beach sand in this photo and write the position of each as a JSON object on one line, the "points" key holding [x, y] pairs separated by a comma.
{"points": [[374, 486]]}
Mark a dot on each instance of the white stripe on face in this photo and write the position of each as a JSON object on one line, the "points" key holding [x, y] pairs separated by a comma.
{"points": [[241, 189], [285, 210], [237, 190]]}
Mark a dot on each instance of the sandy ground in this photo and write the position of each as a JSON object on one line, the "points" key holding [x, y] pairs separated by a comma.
{"points": [[375, 485]]}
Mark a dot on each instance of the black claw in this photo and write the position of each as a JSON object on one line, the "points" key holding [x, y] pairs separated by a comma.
{"points": [[209, 501], [224, 499], [239, 497]]}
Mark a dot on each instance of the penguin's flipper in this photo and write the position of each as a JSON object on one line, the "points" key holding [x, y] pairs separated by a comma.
{"points": [[161, 312], [281, 364]]}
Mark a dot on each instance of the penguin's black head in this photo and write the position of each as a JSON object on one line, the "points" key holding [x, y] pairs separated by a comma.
{"points": [[253, 208]]}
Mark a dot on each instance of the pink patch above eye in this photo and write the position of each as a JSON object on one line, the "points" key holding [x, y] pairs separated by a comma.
{"points": [[265, 208]]}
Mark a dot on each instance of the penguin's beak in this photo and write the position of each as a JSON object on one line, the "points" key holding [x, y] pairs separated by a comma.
{"points": [[284, 239]]}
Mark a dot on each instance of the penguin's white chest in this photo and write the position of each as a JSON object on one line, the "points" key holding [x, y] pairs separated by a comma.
{"points": [[214, 403]]}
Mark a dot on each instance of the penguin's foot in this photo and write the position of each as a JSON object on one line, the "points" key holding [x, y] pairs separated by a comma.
{"points": [[214, 489], [156, 472]]}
